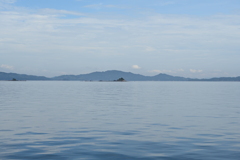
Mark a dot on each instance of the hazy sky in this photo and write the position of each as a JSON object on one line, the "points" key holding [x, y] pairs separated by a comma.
{"points": [[191, 38]]}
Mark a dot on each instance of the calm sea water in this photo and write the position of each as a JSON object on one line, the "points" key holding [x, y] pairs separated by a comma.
{"points": [[120, 121]]}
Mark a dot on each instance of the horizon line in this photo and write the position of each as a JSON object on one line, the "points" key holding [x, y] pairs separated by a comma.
{"points": [[114, 70]]}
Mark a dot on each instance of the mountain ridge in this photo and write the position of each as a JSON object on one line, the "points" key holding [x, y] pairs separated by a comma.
{"points": [[110, 75], [10, 76]]}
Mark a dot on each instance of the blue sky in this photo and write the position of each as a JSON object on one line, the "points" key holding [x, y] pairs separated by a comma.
{"points": [[190, 38]]}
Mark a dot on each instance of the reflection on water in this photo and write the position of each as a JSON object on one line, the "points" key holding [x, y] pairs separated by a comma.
{"points": [[130, 120]]}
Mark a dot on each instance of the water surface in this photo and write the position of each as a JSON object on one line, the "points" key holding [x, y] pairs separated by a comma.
{"points": [[120, 120]]}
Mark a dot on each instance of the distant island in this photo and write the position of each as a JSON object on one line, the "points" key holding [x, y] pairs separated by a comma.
{"points": [[112, 75], [120, 80]]}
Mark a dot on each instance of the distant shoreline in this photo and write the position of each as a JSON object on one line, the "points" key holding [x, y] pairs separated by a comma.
{"points": [[110, 76], [105, 81]]}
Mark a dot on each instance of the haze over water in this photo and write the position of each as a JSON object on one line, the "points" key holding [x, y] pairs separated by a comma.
{"points": [[119, 120]]}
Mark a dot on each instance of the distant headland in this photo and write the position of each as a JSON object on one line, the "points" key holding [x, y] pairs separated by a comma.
{"points": [[112, 75]]}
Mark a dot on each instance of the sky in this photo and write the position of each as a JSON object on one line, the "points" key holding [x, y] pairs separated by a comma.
{"points": [[189, 38]]}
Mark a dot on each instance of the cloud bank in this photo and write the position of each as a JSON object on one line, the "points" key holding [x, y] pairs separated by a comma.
{"points": [[7, 67], [136, 67], [195, 71]]}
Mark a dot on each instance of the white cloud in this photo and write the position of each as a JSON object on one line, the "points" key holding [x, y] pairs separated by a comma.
{"points": [[7, 1], [167, 71], [100, 5], [180, 70], [161, 71], [7, 67], [6, 4], [149, 49], [55, 11], [136, 67], [166, 3], [195, 71]]}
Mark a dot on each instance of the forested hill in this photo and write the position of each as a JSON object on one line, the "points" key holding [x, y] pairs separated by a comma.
{"points": [[21, 77], [114, 74]]}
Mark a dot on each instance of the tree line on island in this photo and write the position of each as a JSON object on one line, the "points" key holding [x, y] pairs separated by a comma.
{"points": [[120, 80]]}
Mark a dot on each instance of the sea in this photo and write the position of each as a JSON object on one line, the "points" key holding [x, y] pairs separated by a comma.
{"points": [[75, 120]]}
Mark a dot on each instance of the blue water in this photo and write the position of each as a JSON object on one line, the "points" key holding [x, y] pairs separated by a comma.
{"points": [[120, 120]]}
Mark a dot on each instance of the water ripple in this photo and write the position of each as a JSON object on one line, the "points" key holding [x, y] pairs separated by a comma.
{"points": [[113, 121]]}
